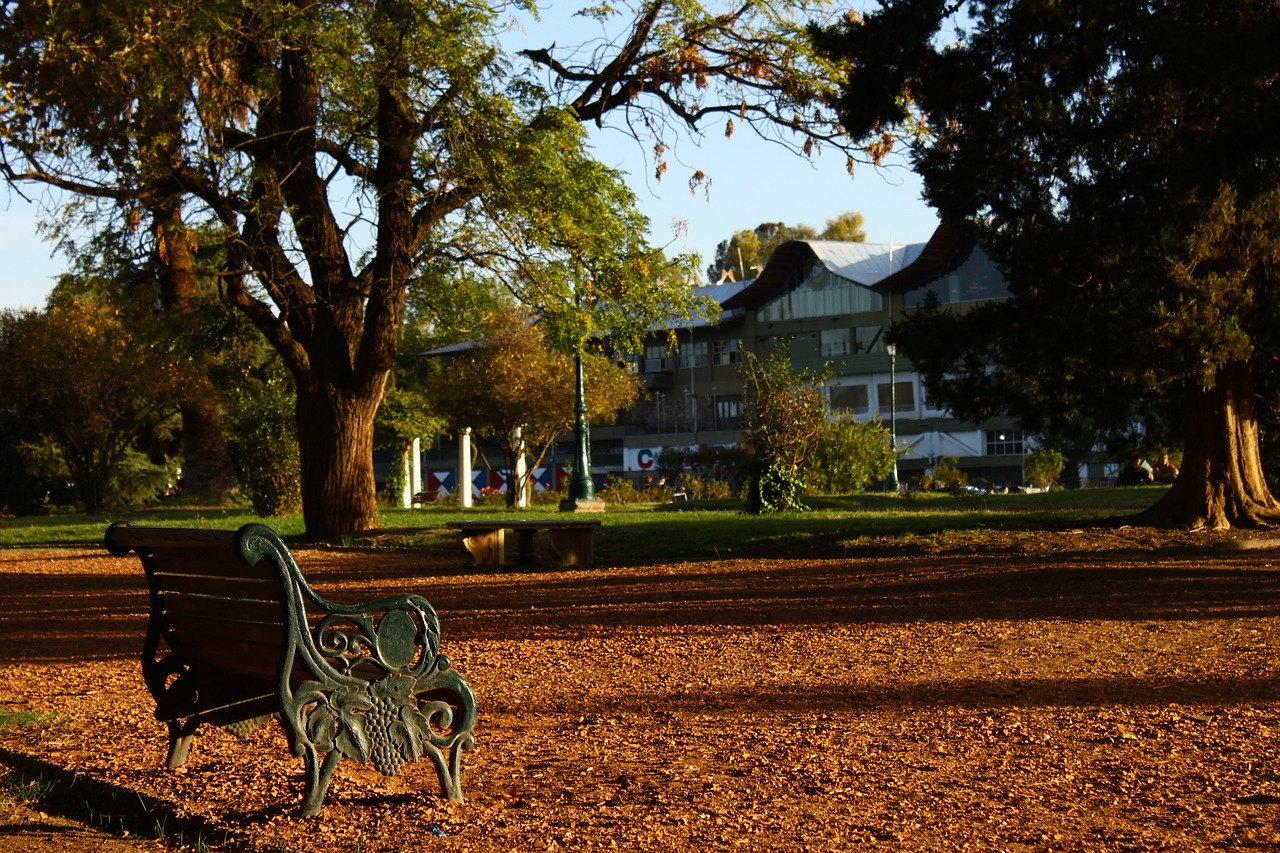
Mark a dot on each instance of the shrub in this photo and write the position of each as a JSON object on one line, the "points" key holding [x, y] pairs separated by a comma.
{"points": [[136, 481], [263, 442], [1043, 468], [850, 454], [947, 475], [618, 490]]}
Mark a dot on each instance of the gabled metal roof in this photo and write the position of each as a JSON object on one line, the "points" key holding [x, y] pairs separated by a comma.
{"points": [[866, 264], [949, 247]]}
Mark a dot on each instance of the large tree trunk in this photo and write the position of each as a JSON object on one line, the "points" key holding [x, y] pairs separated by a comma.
{"points": [[335, 444], [1220, 484]]}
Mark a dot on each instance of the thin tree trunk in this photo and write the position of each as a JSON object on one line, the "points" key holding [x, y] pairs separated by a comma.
{"points": [[207, 471], [1220, 484], [207, 468], [335, 444]]}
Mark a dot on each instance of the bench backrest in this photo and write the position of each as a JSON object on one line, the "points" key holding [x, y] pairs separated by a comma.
{"points": [[208, 603]]}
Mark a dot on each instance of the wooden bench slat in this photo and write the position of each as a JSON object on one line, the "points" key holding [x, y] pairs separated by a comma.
{"points": [[172, 538], [252, 590], [193, 629], [235, 610], [235, 654], [211, 564]]}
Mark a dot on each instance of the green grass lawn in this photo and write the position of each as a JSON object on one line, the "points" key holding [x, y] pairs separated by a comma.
{"points": [[696, 530]]}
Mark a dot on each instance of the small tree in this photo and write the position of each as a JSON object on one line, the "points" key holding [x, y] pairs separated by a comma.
{"points": [[948, 476], [78, 376], [517, 391], [1043, 468], [850, 454], [782, 417], [263, 440], [405, 414]]}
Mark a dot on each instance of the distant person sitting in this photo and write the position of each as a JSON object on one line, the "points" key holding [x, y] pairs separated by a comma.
{"points": [[1136, 473], [1166, 471]]}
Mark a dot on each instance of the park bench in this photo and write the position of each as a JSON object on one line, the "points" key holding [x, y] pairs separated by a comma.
{"points": [[569, 542], [236, 636]]}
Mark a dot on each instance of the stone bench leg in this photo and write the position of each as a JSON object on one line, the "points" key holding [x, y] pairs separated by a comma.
{"points": [[524, 546], [573, 547], [486, 547]]}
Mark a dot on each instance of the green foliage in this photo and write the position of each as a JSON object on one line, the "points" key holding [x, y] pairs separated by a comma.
{"points": [[262, 437], [783, 414], [850, 455], [1115, 162], [670, 462], [36, 477], [405, 414], [516, 390], [138, 481], [79, 377], [458, 164], [618, 490], [1043, 468], [947, 476]]}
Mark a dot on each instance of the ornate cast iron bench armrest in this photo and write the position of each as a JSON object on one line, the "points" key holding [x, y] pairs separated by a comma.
{"points": [[236, 634]]}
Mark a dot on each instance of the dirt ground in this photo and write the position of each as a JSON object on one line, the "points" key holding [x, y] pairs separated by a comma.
{"points": [[1074, 690]]}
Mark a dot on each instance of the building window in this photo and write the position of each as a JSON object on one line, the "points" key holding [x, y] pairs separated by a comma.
{"points": [[1004, 442], [693, 355], [724, 352], [728, 408], [820, 293], [850, 398], [867, 339], [904, 396], [656, 359], [835, 343], [977, 279]]}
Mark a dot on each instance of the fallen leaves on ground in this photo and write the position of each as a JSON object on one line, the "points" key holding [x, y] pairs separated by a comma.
{"points": [[1072, 690]]}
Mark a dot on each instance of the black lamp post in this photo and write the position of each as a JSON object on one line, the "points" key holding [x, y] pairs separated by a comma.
{"points": [[582, 491], [581, 488]]}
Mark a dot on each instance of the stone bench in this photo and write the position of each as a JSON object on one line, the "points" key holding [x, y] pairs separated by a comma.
{"points": [[236, 636], [568, 542]]}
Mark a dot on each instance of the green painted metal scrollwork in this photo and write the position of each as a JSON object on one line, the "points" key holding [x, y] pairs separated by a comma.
{"points": [[381, 691], [366, 683]]}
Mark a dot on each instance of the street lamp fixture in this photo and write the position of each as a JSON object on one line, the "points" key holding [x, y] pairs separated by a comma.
{"points": [[892, 350]]}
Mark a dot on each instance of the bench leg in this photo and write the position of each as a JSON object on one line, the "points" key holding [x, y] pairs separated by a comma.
{"points": [[318, 776], [524, 548], [180, 735], [487, 548], [573, 547]]}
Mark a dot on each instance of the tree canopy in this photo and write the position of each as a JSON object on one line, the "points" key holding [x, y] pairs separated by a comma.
{"points": [[1114, 161], [352, 154]]}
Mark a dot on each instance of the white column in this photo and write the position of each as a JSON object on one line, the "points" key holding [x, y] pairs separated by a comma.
{"points": [[464, 466], [417, 466], [522, 495], [406, 495]]}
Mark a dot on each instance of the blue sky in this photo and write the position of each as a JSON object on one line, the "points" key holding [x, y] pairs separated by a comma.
{"points": [[751, 182]]}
